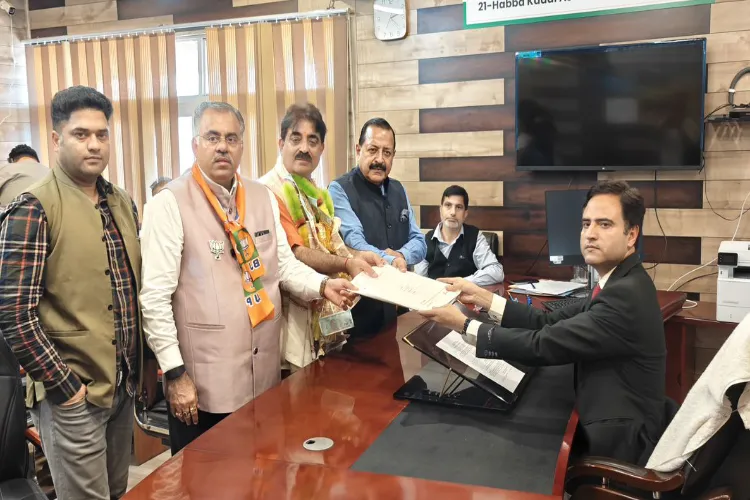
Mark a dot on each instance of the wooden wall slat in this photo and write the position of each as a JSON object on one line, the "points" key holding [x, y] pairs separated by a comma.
{"points": [[74, 14], [466, 119], [49, 32], [733, 16], [388, 74], [494, 218], [434, 95], [696, 223], [679, 250], [486, 194], [432, 45], [405, 169], [686, 21], [45, 4], [440, 19], [402, 122], [488, 168], [450, 145], [466, 68]]}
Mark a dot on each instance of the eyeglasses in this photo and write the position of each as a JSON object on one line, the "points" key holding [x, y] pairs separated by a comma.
{"points": [[214, 139]]}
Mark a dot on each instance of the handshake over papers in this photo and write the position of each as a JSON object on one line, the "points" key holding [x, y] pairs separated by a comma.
{"points": [[405, 289]]}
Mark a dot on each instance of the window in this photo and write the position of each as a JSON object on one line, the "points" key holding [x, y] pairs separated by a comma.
{"points": [[192, 89]]}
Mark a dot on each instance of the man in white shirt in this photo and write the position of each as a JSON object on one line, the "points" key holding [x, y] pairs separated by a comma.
{"points": [[456, 249], [615, 339], [214, 257]]}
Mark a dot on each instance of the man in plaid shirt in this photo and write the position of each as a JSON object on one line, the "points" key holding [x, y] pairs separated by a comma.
{"points": [[69, 279]]}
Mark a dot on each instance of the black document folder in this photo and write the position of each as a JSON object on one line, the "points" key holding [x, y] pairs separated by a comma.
{"points": [[453, 383]]}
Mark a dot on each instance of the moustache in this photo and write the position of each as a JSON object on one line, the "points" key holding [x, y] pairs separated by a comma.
{"points": [[378, 166], [222, 158], [303, 156]]}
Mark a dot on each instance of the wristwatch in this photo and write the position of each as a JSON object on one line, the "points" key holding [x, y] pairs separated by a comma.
{"points": [[323, 286], [466, 326]]}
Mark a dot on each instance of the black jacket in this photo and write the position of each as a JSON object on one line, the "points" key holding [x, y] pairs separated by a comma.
{"points": [[617, 344]]}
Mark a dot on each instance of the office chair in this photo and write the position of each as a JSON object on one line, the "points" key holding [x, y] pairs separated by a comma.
{"points": [[616, 480], [16, 464], [494, 242]]}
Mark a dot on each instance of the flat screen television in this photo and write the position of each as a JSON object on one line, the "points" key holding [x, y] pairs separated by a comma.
{"points": [[618, 107]]}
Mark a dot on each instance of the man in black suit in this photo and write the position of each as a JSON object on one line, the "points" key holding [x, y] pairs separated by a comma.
{"points": [[615, 339]]}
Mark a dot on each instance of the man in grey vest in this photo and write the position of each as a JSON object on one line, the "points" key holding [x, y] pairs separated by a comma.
{"points": [[376, 215], [69, 280], [23, 170]]}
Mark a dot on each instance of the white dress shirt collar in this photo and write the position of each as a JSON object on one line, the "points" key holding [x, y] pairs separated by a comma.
{"points": [[438, 234], [603, 280]]}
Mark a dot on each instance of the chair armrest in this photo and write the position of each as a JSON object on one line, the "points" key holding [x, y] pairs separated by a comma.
{"points": [[625, 473], [717, 494], [558, 487], [33, 437]]}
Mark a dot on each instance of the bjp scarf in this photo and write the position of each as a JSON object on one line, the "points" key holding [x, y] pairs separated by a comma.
{"points": [[259, 305]]}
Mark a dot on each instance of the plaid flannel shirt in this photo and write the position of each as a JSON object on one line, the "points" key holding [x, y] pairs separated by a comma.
{"points": [[24, 246]]}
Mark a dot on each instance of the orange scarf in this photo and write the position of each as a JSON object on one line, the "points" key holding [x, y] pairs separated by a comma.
{"points": [[259, 305]]}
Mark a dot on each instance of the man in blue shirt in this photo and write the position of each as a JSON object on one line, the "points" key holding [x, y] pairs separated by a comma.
{"points": [[376, 215]]}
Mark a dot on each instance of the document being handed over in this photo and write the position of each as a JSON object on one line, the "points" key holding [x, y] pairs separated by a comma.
{"points": [[404, 289], [497, 370]]}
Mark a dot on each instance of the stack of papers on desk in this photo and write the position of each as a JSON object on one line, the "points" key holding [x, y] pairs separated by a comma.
{"points": [[547, 288], [407, 289]]}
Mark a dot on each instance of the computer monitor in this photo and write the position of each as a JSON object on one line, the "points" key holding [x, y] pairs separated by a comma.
{"points": [[564, 215]]}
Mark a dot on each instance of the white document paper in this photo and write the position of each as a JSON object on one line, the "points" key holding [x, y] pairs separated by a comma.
{"points": [[497, 370], [407, 289], [547, 288]]}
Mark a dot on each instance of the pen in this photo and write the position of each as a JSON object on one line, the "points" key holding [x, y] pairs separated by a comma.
{"points": [[532, 286]]}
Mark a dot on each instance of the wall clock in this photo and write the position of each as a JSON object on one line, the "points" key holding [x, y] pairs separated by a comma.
{"points": [[389, 19]]}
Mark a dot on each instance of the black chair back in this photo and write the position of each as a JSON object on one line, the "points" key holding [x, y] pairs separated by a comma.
{"points": [[14, 453], [493, 241], [705, 462]]}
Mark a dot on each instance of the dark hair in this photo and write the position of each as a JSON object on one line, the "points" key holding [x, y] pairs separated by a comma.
{"points": [[455, 191], [161, 181], [631, 201], [299, 112], [73, 99], [379, 123], [20, 151]]}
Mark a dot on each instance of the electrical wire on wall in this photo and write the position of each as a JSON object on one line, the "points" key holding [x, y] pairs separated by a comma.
{"points": [[663, 233]]}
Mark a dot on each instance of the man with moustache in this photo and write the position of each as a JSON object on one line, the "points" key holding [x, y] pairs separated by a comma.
{"points": [[313, 235], [615, 338], [214, 259], [69, 280], [376, 215], [456, 249]]}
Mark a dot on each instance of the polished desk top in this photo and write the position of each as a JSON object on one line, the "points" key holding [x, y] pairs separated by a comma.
{"points": [[257, 452]]}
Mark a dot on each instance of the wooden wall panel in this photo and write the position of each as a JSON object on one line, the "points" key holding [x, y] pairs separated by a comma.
{"points": [[466, 119], [480, 193], [663, 23], [488, 168], [437, 95], [58, 17], [466, 68]]}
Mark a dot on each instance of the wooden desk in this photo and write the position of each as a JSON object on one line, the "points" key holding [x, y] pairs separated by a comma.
{"points": [[257, 452], [680, 332]]}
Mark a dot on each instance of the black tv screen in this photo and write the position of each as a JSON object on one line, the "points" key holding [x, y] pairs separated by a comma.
{"points": [[621, 107]]}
